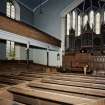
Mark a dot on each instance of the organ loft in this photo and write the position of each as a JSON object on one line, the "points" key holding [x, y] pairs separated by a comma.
{"points": [[52, 52]]}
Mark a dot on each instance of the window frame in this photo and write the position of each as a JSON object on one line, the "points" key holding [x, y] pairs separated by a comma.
{"points": [[74, 19], [11, 8], [68, 23], [79, 25], [91, 18], [98, 23], [85, 19]]}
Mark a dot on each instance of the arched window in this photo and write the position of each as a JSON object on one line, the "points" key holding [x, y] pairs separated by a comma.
{"points": [[98, 23], [104, 16], [85, 20], [79, 25], [13, 12], [91, 16], [74, 19], [10, 10], [68, 23]]}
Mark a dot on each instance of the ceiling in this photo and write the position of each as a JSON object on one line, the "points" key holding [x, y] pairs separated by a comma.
{"points": [[32, 4]]}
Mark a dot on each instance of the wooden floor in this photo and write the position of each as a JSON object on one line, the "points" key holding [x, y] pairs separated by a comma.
{"points": [[52, 89], [31, 88]]}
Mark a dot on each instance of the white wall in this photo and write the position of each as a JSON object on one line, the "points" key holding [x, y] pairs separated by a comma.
{"points": [[40, 56], [31, 54], [23, 54], [37, 55], [17, 9], [50, 20], [53, 58], [5, 35], [20, 52], [17, 52]]}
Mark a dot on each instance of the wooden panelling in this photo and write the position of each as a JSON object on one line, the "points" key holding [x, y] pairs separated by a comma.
{"points": [[99, 62], [77, 61], [96, 63], [27, 31]]}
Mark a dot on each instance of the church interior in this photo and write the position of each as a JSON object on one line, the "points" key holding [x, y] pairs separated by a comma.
{"points": [[52, 52]]}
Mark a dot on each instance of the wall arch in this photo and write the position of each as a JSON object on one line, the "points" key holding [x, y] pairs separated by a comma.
{"points": [[69, 8]]}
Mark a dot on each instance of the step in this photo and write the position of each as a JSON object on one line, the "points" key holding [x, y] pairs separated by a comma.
{"points": [[76, 79], [73, 83], [73, 89], [9, 102], [51, 95]]}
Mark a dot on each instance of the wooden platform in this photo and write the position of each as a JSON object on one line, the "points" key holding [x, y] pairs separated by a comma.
{"points": [[54, 96], [31, 88], [61, 89], [9, 102]]}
